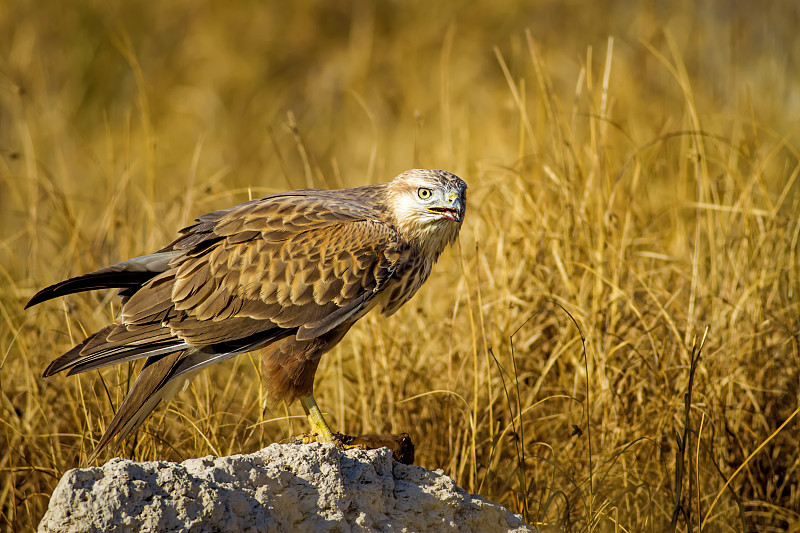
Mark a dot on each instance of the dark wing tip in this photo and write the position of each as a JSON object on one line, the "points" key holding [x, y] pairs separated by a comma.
{"points": [[61, 288], [107, 278], [66, 360], [50, 370], [39, 297]]}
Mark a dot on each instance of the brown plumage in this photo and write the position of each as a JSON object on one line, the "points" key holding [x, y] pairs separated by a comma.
{"points": [[287, 274]]}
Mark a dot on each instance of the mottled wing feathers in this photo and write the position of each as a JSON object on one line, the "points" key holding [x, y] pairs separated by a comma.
{"points": [[302, 263], [280, 262], [281, 215]]}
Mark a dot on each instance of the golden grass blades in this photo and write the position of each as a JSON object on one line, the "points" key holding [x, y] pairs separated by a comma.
{"points": [[633, 186]]}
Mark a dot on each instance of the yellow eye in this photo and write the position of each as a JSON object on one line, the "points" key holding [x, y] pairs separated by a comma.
{"points": [[424, 193]]}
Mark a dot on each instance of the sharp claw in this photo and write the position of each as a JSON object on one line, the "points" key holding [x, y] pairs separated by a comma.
{"points": [[339, 440], [304, 438]]}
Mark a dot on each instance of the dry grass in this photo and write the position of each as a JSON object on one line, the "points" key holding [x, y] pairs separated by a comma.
{"points": [[613, 346]]}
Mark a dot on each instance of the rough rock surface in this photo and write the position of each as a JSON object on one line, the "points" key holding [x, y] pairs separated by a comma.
{"points": [[284, 487]]}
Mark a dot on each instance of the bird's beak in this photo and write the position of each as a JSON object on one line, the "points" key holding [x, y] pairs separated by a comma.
{"points": [[453, 211]]}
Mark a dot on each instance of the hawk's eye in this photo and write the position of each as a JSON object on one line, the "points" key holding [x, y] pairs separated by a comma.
{"points": [[424, 193]]}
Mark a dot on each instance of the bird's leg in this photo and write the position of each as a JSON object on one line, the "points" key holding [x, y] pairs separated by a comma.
{"points": [[320, 430], [318, 424]]}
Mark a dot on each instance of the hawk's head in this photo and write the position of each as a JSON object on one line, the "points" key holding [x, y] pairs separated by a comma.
{"points": [[428, 206]]}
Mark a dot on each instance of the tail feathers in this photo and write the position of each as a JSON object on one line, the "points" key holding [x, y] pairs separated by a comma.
{"points": [[129, 275], [156, 382], [163, 376], [95, 351]]}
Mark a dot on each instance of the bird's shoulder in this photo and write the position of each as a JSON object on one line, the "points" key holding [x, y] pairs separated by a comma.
{"points": [[278, 216]]}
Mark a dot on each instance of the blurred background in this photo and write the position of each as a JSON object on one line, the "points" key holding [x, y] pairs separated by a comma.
{"points": [[633, 185]]}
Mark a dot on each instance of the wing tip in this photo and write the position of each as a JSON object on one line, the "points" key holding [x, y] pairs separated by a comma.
{"points": [[49, 371], [113, 277], [62, 362], [68, 359], [102, 444], [61, 288], [39, 297]]}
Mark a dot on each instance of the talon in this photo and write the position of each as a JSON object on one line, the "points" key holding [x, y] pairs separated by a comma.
{"points": [[304, 438]]}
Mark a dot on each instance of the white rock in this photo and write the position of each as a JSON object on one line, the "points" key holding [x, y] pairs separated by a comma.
{"points": [[284, 487]]}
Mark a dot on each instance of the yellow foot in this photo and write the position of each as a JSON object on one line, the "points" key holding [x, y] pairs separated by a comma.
{"points": [[401, 445], [338, 440], [303, 438], [320, 430]]}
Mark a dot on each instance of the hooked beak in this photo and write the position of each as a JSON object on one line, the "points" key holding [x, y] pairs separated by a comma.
{"points": [[450, 212]]}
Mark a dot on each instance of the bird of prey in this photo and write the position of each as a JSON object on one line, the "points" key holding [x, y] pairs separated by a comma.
{"points": [[287, 274]]}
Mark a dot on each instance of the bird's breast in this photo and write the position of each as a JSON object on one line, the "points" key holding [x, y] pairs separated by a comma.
{"points": [[404, 285]]}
